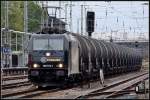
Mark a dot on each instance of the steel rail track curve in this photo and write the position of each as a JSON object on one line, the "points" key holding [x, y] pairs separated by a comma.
{"points": [[95, 92]]}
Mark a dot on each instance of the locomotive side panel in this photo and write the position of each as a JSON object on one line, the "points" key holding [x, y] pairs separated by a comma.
{"points": [[73, 67]]}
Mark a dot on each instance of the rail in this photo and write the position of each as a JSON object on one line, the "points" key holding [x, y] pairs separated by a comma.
{"points": [[28, 93], [15, 77], [128, 85], [14, 85], [132, 81], [14, 71]]}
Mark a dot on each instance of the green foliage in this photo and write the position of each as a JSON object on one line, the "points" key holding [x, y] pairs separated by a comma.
{"points": [[34, 15], [16, 19], [2, 14], [16, 15]]}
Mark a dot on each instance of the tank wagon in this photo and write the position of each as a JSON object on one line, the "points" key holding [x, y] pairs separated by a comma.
{"points": [[60, 59]]}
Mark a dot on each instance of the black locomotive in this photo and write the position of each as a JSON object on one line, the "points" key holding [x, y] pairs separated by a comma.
{"points": [[58, 59]]}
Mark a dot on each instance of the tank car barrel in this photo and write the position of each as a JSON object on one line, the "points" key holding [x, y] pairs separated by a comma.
{"points": [[109, 55]]}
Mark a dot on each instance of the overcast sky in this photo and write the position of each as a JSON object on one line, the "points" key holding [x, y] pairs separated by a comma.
{"points": [[121, 16]]}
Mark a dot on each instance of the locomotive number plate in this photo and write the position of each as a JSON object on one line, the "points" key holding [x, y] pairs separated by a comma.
{"points": [[47, 65], [53, 60], [34, 73]]}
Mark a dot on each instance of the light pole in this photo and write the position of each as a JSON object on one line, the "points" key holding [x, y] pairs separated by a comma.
{"points": [[66, 13], [78, 25], [24, 38], [81, 19], [6, 34]]}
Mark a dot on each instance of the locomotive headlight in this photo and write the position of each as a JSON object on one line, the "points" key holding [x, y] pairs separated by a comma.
{"points": [[48, 54], [36, 65], [60, 65]]}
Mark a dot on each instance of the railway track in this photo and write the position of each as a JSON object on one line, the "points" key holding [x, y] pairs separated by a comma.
{"points": [[19, 92], [39, 92], [33, 92], [28, 93], [14, 81], [14, 85], [114, 89], [6, 78], [127, 85]]}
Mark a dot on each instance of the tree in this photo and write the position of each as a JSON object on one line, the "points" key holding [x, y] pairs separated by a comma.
{"points": [[16, 18], [34, 15], [2, 14], [16, 15]]}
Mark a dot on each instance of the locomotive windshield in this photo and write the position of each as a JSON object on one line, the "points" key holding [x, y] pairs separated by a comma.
{"points": [[47, 44]]}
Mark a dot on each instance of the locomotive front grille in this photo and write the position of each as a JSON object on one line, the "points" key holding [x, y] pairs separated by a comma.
{"points": [[34, 73], [48, 74]]}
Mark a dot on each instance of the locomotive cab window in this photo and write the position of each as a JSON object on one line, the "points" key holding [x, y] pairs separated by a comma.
{"points": [[48, 44]]}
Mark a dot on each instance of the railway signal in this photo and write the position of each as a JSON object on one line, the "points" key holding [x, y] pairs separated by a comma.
{"points": [[90, 20]]}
